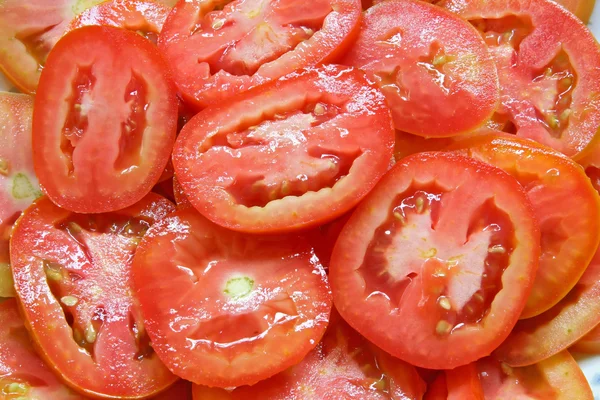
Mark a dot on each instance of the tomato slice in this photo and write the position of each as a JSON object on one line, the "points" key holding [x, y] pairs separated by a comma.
{"points": [[23, 375], [581, 8], [546, 61], [439, 81], [590, 343], [556, 378], [145, 17], [569, 235], [73, 277], [343, 366], [218, 49], [102, 134], [265, 163], [226, 309], [180, 198], [437, 390], [324, 237], [538, 338], [182, 390], [18, 183], [435, 265]]}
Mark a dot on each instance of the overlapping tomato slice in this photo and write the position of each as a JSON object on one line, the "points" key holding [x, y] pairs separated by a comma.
{"points": [[73, 279], [547, 64], [226, 309], [436, 264], [590, 343]]}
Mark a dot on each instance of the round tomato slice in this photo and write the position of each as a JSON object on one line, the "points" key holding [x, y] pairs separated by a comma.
{"points": [[23, 375], [438, 78], [540, 337], [590, 343], [73, 277], [265, 163], [145, 17], [435, 265], [547, 64], [226, 309], [104, 121], [218, 49], [343, 366], [557, 378], [553, 182], [18, 183]]}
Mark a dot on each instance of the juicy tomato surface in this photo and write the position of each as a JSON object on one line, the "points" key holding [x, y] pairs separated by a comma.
{"points": [[226, 309], [343, 366], [104, 121], [266, 163], [18, 183], [590, 343], [463, 383], [540, 337], [218, 49], [438, 82], [145, 17], [436, 264], [553, 182], [547, 64], [556, 378], [72, 276], [23, 374]]}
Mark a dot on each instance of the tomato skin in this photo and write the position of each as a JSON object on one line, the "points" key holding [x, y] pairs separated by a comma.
{"points": [[428, 76], [406, 328], [49, 258], [202, 87], [569, 235], [80, 169], [552, 44], [248, 177], [216, 337]]}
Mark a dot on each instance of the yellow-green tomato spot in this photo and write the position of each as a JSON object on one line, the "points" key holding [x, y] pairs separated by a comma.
{"points": [[22, 188], [15, 388], [239, 287]]}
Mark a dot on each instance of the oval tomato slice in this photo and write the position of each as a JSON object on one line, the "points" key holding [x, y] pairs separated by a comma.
{"points": [[547, 63], [590, 343], [102, 134], [557, 378], [540, 337], [436, 264], [73, 277], [23, 375], [18, 183], [221, 48], [343, 366], [225, 309], [144, 17], [439, 80], [265, 163], [569, 235]]}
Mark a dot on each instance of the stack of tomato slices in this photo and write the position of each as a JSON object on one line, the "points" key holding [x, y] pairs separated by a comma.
{"points": [[281, 200]]}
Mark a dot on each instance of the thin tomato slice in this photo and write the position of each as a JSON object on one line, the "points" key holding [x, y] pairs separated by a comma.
{"points": [[553, 182], [266, 163], [590, 343], [343, 366], [23, 375], [556, 378], [547, 64], [218, 49], [18, 183], [145, 17], [439, 81], [538, 338], [104, 120], [226, 309], [73, 277], [436, 264]]}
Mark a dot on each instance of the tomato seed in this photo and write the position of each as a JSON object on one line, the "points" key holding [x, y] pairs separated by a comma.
{"points": [[69, 301], [444, 303], [497, 249], [443, 327]]}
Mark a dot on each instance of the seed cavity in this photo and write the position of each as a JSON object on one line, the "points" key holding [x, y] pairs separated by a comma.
{"points": [[443, 327], [239, 287], [69, 301], [16, 388], [52, 270], [319, 109], [22, 188]]}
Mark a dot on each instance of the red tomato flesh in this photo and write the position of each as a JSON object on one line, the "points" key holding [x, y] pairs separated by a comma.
{"points": [[221, 48], [439, 81], [436, 264], [226, 309], [590, 343], [72, 275], [104, 121], [268, 163]]}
